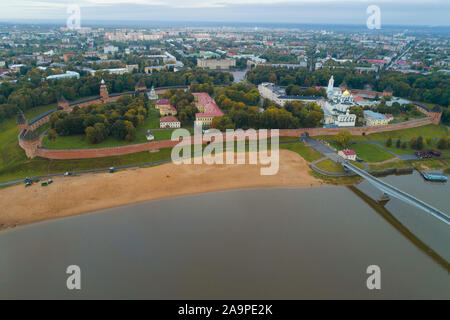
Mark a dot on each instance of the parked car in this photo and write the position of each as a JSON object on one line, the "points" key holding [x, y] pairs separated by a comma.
{"points": [[435, 153]]}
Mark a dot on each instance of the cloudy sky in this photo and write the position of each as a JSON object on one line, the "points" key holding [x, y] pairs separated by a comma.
{"points": [[406, 12]]}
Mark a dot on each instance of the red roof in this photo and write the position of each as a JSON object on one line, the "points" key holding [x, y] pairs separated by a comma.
{"points": [[349, 152], [357, 98], [163, 101], [388, 115], [211, 108], [169, 119]]}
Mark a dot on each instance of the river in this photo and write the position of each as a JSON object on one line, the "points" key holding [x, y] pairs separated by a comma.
{"points": [[275, 243]]}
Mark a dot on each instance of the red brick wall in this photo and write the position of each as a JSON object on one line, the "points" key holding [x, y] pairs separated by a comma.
{"points": [[123, 150]]}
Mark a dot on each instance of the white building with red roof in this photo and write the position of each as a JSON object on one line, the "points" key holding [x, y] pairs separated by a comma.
{"points": [[169, 122], [348, 154], [207, 107]]}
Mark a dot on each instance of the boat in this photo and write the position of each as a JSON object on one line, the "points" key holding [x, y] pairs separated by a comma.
{"points": [[435, 177]]}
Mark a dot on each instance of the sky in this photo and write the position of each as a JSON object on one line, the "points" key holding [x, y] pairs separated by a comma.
{"points": [[400, 12]]}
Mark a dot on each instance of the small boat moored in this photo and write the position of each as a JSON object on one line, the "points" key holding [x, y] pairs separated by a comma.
{"points": [[432, 176]]}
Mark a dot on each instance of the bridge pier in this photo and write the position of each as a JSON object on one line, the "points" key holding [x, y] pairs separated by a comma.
{"points": [[383, 199]]}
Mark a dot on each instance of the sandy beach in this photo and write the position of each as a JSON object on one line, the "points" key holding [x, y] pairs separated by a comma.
{"points": [[80, 194]]}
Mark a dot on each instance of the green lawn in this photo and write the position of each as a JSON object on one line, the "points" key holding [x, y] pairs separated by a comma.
{"points": [[330, 166], [400, 164], [409, 150], [431, 164], [307, 153], [80, 141], [371, 152], [333, 137], [11, 154], [152, 121], [428, 131]]}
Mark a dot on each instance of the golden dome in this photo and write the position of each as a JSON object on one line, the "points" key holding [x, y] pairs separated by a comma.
{"points": [[346, 93]]}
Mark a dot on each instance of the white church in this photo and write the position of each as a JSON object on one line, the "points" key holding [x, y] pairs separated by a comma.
{"points": [[336, 107]]}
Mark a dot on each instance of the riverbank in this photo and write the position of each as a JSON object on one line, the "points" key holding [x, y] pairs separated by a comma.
{"points": [[79, 194]]}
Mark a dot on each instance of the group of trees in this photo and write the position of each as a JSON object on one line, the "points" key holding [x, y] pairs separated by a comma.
{"points": [[294, 90], [250, 117], [396, 109], [97, 122], [27, 94], [236, 96], [185, 105], [419, 143], [444, 143], [240, 102]]}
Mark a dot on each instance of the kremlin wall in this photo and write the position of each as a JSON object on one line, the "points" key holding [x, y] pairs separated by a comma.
{"points": [[33, 146]]}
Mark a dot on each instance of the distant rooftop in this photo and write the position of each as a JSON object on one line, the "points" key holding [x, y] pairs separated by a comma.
{"points": [[374, 115]]}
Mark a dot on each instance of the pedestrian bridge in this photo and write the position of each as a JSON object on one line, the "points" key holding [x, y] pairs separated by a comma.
{"points": [[397, 193]]}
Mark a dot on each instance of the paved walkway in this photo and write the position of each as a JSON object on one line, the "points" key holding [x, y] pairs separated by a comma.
{"points": [[328, 154]]}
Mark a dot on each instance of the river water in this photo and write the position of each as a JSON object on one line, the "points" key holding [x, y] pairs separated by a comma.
{"points": [[277, 243]]}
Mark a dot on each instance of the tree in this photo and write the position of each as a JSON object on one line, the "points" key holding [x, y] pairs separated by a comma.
{"points": [[51, 134], [119, 130], [344, 138], [222, 123], [389, 142], [398, 144], [90, 134], [404, 145], [443, 143], [416, 143], [97, 133], [131, 131]]}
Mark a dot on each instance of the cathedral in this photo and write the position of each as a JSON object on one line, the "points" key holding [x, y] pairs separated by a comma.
{"points": [[336, 107]]}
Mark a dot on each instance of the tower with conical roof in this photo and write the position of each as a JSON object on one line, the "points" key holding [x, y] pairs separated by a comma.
{"points": [[104, 91], [140, 86]]}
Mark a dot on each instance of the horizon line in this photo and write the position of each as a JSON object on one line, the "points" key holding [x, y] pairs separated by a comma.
{"points": [[103, 21]]}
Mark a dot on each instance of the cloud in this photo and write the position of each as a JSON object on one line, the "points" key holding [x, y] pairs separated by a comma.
{"points": [[290, 11]]}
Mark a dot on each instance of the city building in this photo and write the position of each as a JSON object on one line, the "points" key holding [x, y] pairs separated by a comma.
{"points": [[372, 118], [110, 49], [169, 122], [208, 109], [67, 75], [165, 108], [278, 94], [216, 63]]}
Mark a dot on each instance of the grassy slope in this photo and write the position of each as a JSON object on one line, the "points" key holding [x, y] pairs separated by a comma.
{"points": [[371, 152], [329, 166], [308, 153], [428, 131]]}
